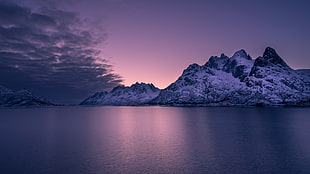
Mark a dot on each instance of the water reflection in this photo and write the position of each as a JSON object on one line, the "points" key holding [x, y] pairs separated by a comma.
{"points": [[155, 140]]}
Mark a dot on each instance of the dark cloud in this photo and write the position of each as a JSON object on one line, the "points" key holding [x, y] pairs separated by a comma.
{"points": [[52, 52]]}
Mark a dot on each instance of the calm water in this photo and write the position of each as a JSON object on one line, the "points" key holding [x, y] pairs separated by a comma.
{"points": [[155, 140]]}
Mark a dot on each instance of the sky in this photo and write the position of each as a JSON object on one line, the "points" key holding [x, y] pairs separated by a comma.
{"points": [[67, 50]]}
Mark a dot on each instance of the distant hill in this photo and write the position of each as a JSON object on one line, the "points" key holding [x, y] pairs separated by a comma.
{"points": [[136, 94], [9, 98]]}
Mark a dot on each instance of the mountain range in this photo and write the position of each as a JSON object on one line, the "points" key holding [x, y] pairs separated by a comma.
{"points": [[221, 81]]}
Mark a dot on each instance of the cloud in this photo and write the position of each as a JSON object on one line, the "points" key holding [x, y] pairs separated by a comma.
{"points": [[53, 50]]}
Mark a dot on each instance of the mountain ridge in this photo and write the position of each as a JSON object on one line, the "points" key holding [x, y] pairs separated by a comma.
{"points": [[267, 80], [136, 94], [231, 81]]}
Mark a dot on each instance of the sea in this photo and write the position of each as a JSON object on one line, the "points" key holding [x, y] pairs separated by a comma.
{"points": [[155, 139]]}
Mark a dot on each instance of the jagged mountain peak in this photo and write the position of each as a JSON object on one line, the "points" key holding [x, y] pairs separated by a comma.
{"points": [[270, 64], [135, 86], [243, 54], [239, 64], [216, 62], [270, 56], [223, 56], [193, 66], [270, 53], [141, 84], [225, 63]]}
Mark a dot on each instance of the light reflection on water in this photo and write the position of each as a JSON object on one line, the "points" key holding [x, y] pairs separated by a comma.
{"points": [[155, 140]]}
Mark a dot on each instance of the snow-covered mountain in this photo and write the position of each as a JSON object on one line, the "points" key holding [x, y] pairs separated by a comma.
{"points": [[136, 94], [239, 80], [221, 81], [10, 98]]}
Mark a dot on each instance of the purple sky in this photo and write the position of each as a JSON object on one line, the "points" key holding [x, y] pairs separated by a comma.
{"points": [[152, 41]]}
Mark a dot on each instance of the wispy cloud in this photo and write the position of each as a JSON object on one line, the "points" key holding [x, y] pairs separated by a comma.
{"points": [[51, 49]]}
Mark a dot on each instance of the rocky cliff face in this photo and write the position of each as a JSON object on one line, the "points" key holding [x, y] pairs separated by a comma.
{"points": [[136, 94], [239, 80]]}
